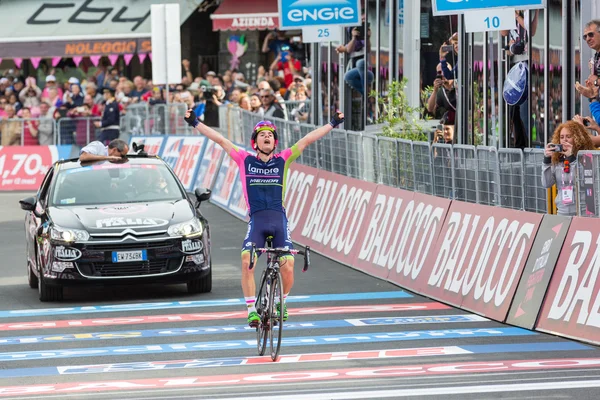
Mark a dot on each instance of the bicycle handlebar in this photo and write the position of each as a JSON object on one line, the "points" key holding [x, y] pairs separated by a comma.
{"points": [[280, 251]]}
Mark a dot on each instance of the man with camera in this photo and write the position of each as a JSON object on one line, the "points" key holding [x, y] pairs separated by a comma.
{"points": [[519, 114], [442, 101], [357, 48]]}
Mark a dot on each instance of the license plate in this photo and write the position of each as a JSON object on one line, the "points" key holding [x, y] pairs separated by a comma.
{"points": [[128, 256]]}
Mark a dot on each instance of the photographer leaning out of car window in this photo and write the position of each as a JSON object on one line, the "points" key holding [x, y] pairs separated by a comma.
{"points": [[560, 163], [116, 150]]}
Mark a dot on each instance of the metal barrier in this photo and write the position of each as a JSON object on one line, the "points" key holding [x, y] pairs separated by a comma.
{"points": [[488, 175], [535, 194], [27, 131], [465, 173], [588, 182], [512, 178], [157, 119], [507, 177], [79, 131]]}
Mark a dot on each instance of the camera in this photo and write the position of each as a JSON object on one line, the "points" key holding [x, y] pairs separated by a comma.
{"points": [[586, 122], [517, 48], [139, 148], [208, 92], [447, 48], [361, 30], [558, 148]]}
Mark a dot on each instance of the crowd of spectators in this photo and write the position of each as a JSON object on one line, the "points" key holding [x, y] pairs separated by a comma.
{"points": [[30, 110]]}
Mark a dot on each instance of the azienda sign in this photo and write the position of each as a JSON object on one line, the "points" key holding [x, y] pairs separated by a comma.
{"points": [[294, 14]]}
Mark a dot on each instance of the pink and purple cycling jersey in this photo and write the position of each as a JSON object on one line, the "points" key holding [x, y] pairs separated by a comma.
{"points": [[264, 182]]}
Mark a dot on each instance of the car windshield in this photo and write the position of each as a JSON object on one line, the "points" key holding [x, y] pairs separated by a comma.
{"points": [[109, 183]]}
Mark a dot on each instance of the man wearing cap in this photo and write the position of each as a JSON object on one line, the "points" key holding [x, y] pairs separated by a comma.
{"points": [[110, 123], [211, 78], [51, 83]]}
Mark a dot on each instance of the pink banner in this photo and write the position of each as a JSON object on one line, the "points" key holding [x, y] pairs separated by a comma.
{"points": [[479, 258], [113, 58], [332, 214], [142, 57], [572, 304], [95, 60], [55, 61], [35, 61], [77, 60], [18, 61], [127, 58]]}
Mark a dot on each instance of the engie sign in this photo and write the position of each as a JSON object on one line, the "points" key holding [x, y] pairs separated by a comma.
{"points": [[294, 14]]}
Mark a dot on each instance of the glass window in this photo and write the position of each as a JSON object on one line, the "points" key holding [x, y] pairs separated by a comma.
{"points": [[537, 48], [109, 183]]}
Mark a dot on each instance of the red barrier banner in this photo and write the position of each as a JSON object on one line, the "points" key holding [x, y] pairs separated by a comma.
{"points": [[300, 185], [183, 154], [572, 304], [538, 271], [333, 220], [479, 258], [401, 230], [24, 167], [209, 165], [228, 172]]}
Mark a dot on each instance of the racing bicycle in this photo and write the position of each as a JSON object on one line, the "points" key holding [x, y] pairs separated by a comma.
{"points": [[270, 326]]}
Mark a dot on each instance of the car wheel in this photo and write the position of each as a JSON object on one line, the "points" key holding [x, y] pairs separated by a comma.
{"points": [[47, 292], [31, 278], [201, 285]]}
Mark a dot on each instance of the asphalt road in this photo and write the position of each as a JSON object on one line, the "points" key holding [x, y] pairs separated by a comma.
{"points": [[350, 336]]}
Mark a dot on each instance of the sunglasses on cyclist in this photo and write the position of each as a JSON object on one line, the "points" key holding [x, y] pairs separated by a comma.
{"points": [[588, 35]]}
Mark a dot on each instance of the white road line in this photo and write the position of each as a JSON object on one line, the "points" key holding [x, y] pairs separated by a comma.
{"points": [[328, 386], [379, 394], [13, 280]]}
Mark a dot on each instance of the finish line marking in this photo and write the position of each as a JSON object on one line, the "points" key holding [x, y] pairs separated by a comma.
{"points": [[213, 330], [399, 294], [294, 358], [453, 368], [170, 318]]}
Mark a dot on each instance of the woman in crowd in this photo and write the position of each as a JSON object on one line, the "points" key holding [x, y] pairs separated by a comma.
{"points": [[30, 128], [255, 103], [560, 163], [244, 102]]}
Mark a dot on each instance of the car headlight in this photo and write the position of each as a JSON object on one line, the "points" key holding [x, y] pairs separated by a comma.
{"points": [[191, 228], [68, 235]]}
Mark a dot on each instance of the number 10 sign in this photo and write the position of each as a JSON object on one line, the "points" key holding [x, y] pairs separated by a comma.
{"points": [[495, 19]]}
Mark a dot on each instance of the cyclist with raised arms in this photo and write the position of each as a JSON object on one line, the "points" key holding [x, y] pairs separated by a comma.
{"points": [[263, 178]]}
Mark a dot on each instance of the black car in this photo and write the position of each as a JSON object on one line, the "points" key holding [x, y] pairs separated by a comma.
{"points": [[122, 222]]}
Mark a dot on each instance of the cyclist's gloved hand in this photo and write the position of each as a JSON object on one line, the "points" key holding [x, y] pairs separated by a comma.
{"points": [[337, 119], [190, 118]]}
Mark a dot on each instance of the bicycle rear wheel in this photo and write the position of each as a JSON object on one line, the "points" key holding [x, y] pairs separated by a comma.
{"points": [[276, 319], [262, 310]]}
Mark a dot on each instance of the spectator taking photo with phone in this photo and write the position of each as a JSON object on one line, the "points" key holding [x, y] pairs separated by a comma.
{"points": [[560, 164]]}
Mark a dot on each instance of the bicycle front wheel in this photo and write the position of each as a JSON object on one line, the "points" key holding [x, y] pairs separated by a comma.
{"points": [[276, 322], [262, 310]]}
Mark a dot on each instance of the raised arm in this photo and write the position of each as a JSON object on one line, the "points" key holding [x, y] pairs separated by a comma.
{"points": [[318, 133], [192, 120]]}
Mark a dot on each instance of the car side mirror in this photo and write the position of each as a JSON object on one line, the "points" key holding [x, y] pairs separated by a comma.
{"points": [[28, 204], [202, 194]]}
